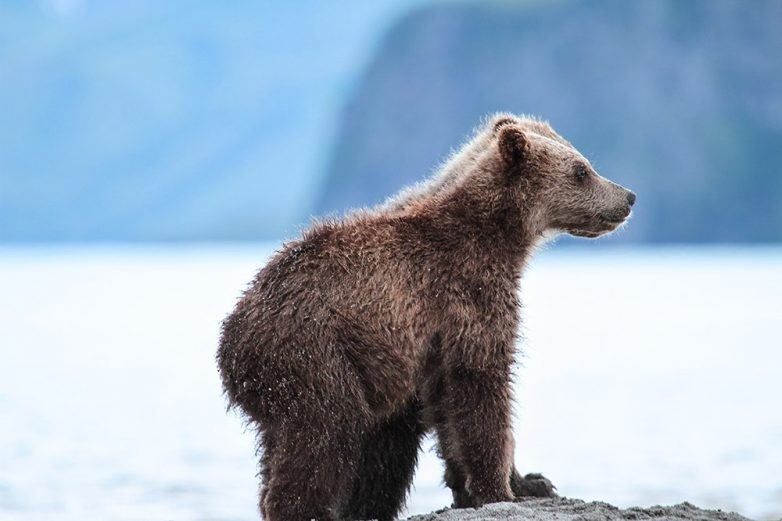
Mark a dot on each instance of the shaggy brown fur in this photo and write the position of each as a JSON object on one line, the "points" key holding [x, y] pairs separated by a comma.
{"points": [[367, 332]]}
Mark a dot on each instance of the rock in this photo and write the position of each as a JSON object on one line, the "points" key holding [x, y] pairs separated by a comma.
{"points": [[563, 509]]}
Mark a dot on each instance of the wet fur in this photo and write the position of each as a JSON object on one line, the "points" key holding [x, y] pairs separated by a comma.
{"points": [[369, 331]]}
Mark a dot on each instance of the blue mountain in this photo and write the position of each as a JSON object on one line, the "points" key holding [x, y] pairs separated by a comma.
{"points": [[681, 101], [149, 121]]}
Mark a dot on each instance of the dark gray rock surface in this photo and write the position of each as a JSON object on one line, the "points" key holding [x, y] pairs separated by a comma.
{"points": [[562, 509]]}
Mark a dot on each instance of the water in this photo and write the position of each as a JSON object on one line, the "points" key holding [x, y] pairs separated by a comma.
{"points": [[649, 376]]}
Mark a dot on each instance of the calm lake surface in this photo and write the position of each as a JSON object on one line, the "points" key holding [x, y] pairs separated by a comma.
{"points": [[648, 376]]}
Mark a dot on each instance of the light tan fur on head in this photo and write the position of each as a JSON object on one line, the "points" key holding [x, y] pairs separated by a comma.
{"points": [[569, 196], [574, 198], [465, 158]]}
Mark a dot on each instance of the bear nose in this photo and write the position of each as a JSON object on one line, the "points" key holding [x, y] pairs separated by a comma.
{"points": [[630, 198]]}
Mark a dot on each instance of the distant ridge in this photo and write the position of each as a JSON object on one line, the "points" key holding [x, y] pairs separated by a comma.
{"points": [[681, 101]]}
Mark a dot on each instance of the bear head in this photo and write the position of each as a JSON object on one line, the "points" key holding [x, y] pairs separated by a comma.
{"points": [[564, 191]]}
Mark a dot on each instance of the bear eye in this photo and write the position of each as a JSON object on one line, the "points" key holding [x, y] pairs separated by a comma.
{"points": [[581, 173]]}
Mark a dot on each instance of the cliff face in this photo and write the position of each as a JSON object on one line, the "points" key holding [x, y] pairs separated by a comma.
{"points": [[561, 509], [681, 101], [176, 120]]}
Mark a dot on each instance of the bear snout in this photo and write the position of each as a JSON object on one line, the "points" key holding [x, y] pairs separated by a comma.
{"points": [[618, 214], [630, 197]]}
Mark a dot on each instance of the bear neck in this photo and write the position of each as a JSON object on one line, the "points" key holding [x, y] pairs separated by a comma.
{"points": [[487, 221]]}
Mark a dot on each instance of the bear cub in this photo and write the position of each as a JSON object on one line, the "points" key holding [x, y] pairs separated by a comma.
{"points": [[366, 333]]}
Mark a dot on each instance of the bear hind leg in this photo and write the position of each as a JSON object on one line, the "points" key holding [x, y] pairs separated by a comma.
{"points": [[388, 461], [309, 472]]}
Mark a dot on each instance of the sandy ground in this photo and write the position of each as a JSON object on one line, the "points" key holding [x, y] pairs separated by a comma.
{"points": [[562, 509]]}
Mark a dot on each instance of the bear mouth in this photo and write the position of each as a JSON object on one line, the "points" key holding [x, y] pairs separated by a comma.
{"points": [[613, 221], [604, 225], [608, 225], [615, 218], [588, 234]]}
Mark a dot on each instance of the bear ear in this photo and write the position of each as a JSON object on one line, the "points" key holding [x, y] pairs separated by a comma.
{"points": [[503, 121], [514, 146]]}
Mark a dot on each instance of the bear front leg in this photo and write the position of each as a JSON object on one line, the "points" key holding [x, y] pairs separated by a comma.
{"points": [[479, 424], [531, 485]]}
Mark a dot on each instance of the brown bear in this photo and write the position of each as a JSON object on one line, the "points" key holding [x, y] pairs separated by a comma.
{"points": [[369, 331]]}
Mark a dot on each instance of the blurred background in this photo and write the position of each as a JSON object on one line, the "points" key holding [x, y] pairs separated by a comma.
{"points": [[154, 154]]}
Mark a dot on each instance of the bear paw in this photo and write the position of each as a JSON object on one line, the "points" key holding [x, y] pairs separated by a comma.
{"points": [[532, 485]]}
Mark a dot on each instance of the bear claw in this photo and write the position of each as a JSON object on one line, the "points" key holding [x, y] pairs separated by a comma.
{"points": [[532, 485]]}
